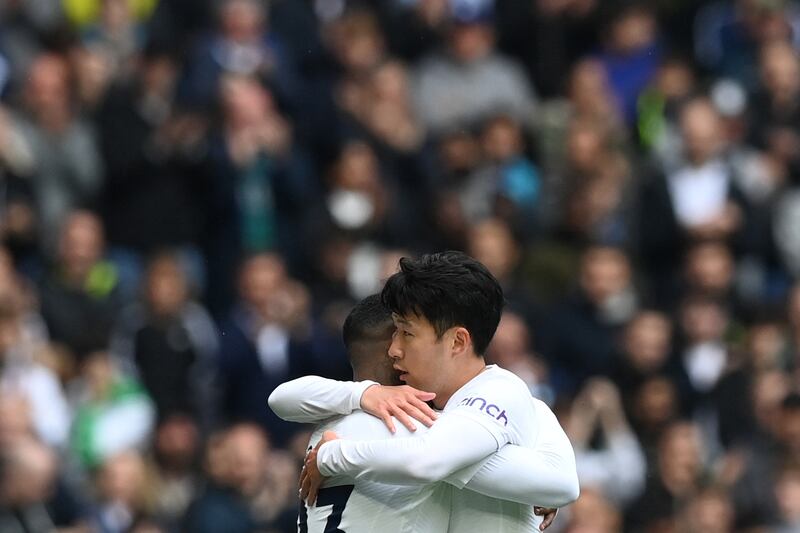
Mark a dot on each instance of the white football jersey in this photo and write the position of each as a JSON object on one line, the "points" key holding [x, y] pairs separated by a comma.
{"points": [[497, 401], [364, 506], [502, 403]]}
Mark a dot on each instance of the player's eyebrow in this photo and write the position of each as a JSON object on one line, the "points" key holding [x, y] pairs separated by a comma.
{"points": [[400, 320]]}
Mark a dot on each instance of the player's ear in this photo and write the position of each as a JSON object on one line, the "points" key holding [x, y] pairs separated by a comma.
{"points": [[462, 340]]}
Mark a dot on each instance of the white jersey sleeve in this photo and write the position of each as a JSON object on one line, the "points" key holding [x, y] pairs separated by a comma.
{"points": [[500, 402], [452, 443], [542, 473], [521, 475], [312, 399]]}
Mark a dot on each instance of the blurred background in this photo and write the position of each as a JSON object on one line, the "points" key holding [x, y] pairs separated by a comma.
{"points": [[193, 194]]}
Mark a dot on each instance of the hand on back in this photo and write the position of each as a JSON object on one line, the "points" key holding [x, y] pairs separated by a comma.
{"points": [[402, 402]]}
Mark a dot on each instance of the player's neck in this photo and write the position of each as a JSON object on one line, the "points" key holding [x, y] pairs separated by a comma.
{"points": [[473, 366], [379, 375]]}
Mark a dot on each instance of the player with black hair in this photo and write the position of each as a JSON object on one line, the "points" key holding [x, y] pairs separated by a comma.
{"points": [[446, 308], [368, 505]]}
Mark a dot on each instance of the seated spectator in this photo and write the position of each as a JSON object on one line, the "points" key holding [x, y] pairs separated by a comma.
{"points": [[176, 450], [751, 369], [703, 351], [756, 467], [32, 498], [587, 97], [114, 27], [585, 196], [169, 340], [631, 53], [469, 80], [80, 293], [67, 172], [617, 466], [19, 293], [242, 44], [775, 109], [728, 35], [93, 74], [658, 106], [511, 349], [710, 269], [594, 513], [678, 471], [262, 193], [654, 405], [238, 465], [506, 184], [219, 506], [599, 207], [379, 105], [29, 385], [124, 493], [263, 342], [492, 242], [113, 414], [710, 511], [157, 188], [696, 198], [646, 350], [357, 43], [363, 202], [581, 332]]}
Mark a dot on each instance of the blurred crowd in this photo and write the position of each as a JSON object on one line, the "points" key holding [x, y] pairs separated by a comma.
{"points": [[193, 194]]}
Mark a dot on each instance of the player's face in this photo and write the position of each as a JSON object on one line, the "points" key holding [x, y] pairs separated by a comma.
{"points": [[419, 355]]}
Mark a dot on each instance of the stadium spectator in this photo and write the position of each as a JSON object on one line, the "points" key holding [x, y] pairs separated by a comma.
{"points": [[241, 44], [79, 293], [469, 79], [511, 349], [678, 471], [259, 182], [27, 386], [263, 342], [617, 467], [124, 493], [581, 332], [242, 478], [176, 456], [156, 191], [170, 342], [622, 160], [113, 414], [67, 171], [32, 497]]}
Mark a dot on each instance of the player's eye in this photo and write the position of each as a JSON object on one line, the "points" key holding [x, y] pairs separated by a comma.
{"points": [[407, 334]]}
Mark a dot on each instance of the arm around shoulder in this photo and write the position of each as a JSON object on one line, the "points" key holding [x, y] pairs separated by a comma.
{"points": [[311, 399], [452, 443], [533, 477]]}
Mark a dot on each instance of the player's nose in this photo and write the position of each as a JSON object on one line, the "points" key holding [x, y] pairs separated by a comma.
{"points": [[394, 349]]}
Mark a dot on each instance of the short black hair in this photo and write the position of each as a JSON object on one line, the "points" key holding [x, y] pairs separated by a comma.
{"points": [[448, 289], [367, 321]]}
